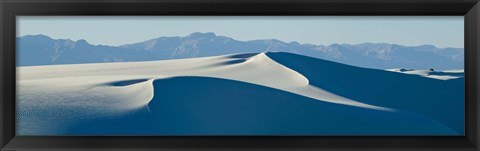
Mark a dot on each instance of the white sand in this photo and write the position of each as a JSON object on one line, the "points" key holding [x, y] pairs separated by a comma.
{"points": [[66, 94]]}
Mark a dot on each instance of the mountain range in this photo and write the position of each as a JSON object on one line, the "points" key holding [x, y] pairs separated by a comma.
{"points": [[33, 50]]}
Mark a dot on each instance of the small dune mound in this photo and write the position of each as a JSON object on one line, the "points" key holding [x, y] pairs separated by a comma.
{"points": [[403, 70]]}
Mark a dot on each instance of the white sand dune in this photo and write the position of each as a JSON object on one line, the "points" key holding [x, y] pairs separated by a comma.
{"points": [[72, 93], [252, 68]]}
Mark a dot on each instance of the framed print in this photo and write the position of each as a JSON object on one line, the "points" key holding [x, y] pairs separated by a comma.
{"points": [[186, 75]]}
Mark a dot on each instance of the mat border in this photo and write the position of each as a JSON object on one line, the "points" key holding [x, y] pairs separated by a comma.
{"points": [[12, 8]]}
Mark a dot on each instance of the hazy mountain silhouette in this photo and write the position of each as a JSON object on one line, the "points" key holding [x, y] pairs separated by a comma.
{"points": [[43, 50]]}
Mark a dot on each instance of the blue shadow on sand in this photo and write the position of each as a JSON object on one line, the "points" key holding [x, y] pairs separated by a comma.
{"points": [[212, 106]]}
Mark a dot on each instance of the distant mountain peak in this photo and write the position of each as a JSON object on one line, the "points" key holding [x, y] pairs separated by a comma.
{"points": [[82, 42], [294, 43], [202, 35], [39, 36]]}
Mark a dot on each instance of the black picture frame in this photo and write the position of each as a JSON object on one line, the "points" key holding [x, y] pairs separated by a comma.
{"points": [[470, 9]]}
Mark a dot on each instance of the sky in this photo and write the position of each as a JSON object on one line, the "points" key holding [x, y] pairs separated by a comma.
{"points": [[441, 31]]}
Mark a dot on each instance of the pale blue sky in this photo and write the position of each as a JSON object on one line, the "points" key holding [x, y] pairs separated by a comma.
{"points": [[441, 31]]}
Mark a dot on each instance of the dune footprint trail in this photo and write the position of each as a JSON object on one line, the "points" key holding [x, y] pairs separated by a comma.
{"points": [[240, 94]]}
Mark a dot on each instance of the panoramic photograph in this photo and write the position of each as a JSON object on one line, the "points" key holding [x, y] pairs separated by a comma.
{"points": [[240, 76]]}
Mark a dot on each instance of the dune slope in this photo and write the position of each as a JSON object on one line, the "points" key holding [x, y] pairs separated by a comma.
{"points": [[442, 100]]}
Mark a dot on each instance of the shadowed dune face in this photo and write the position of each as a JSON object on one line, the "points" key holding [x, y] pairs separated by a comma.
{"points": [[213, 106], [126, 82], [442, 100], [243, 55]]}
